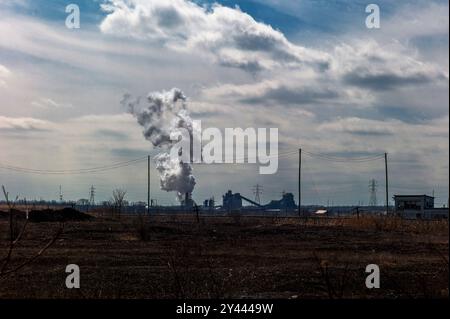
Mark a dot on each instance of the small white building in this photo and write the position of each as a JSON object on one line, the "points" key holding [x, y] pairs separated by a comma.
{"points": [[418, 207]]}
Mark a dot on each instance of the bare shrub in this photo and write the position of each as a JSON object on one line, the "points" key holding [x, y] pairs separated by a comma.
{"points": [[15, 235], [118, 200], [333, 282]]}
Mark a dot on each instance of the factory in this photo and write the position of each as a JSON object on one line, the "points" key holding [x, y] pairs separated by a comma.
{"points": [[418, 207], [233, 201]]}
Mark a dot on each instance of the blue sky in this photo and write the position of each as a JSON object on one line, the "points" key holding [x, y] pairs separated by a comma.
{"points": [[310, 68], [327, 17]]}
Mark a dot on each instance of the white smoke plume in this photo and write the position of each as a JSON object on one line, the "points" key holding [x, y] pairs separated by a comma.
{"points": [[165, 113]]}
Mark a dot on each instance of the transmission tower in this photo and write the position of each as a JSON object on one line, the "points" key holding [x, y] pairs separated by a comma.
{"points": [[373, 185], [92, 195], [257, 190], [60, 194]]}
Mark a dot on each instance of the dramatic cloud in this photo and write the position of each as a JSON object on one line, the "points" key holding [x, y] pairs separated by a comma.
{"points": [[233, 38], [307, 88], [328, 83], [348, 76], [369, 65], [230, 36]]}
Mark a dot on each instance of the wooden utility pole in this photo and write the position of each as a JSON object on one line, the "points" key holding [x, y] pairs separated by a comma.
{"points": [[387, 183], [299, 182], [148, 185]]}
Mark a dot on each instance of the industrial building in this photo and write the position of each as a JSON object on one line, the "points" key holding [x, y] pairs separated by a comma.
{"points": [[233, 201], [418, 207], [285, 203]]}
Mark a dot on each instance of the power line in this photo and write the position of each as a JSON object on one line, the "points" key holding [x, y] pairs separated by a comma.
{"points": [[73, 171], [97, 169], [344, 159], [245, 159]]}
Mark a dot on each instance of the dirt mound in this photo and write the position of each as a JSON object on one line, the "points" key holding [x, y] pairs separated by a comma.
{"points": [[62, 215]]}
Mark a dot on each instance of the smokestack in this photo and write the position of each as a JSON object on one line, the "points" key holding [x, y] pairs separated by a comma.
{"points": [[166, 112], [188, 200]]}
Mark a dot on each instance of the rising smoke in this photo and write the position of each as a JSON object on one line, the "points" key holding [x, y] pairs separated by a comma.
{"points": [[165, 113]]}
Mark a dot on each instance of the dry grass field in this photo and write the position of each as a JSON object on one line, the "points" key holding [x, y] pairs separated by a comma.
{"points": [[229, 257]]}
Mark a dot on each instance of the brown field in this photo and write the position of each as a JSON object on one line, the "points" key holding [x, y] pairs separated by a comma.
{"points": [[232, 257]]}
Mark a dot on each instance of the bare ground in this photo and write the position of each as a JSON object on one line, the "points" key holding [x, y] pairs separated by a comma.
{"points": [[235, 257]]}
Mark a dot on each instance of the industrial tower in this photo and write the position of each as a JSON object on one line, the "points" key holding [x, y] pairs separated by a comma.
{"points": [[373, 185], [60, 194], [257, 190], [92, 196]]}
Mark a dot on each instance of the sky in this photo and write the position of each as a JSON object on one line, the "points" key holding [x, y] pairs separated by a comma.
{"points": [[312, 69]]}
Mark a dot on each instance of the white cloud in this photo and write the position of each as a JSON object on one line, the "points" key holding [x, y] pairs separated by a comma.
{"points": [[233, 38], [336, 109], [369, 64], [13, 3], [23, 124], [430, 19], [4, 73], [87, 69], [359, 126], [351, 75], [291, 89], [230, 36], [47, 103], [83, 50]]}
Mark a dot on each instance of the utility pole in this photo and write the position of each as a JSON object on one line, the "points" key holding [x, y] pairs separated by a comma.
{"points": [[148, 185], [299, 182], [387, 183]]}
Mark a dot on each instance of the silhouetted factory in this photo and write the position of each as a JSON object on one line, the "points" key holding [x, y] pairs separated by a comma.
{"points": [[234, 202]]}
